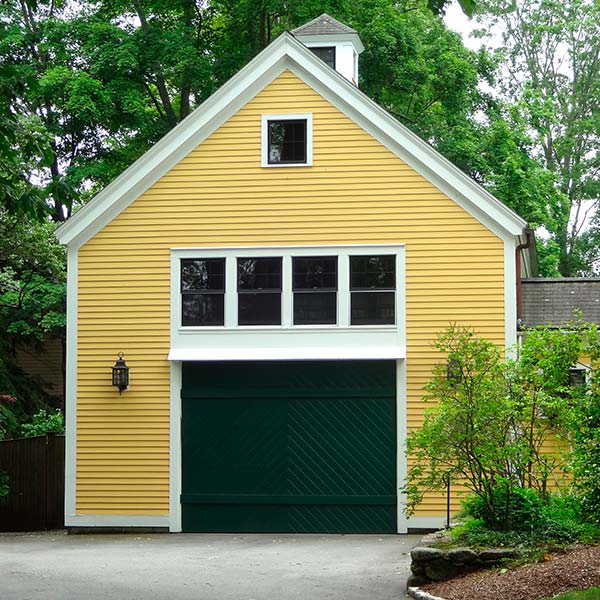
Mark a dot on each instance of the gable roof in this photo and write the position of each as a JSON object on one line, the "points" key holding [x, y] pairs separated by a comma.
{"points": [[323, 25], [287, 53], [554, 301]]}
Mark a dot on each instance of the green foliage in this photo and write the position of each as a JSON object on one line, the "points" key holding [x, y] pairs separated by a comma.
{"points": [[550, 54], [43, 423], [493, 418], [4, 485], [9, 421], [32, 307], [589, 594], [548, 525], [515, 509]]}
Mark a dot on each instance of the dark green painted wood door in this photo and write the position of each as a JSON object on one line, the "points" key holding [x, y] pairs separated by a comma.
{"points": [[307, 447]]}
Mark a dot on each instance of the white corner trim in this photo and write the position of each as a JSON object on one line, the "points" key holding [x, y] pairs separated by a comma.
{"points": [[510, 297], [71, 384], [264, 132], [286, 53], [175, 449], [116, 521]]}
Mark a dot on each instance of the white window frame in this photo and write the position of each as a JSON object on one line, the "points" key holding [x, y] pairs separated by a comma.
{"points": [[265, 138], [288, 341]]}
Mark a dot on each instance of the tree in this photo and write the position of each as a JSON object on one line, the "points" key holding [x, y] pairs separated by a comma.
{"points": [[493, 419], [551, 71], [32, 305]]}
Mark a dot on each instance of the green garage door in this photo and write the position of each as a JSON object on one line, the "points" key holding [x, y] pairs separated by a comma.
{"points": [[306, 447]]}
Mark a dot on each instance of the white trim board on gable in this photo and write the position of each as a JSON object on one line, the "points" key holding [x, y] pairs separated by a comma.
{"points": [[287, 53]]}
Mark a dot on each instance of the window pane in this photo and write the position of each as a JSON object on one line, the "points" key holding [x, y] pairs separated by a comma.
{"points": [[203, 274], [202, 309], [259, 274], [259, 309], [287, 141], [372, 272], [372, 308], [315, 308], [326, 54], [315, 273]]}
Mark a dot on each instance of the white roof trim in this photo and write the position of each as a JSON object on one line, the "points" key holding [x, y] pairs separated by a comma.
{"points": [[287, 53], [288, 353]]}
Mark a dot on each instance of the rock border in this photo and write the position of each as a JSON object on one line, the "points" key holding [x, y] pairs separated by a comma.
{"points": [[419, 594]]}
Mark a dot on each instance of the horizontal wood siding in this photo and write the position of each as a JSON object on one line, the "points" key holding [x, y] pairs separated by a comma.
{"points": [[355, 192]]}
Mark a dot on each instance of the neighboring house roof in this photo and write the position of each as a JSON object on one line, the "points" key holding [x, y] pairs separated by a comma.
{"points": [[557, 301], [323, 25], [287, 53]]}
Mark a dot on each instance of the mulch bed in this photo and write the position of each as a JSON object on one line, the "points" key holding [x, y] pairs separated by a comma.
{"points": [[575, 569]]}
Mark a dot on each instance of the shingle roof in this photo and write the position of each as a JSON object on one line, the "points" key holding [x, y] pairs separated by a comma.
{"points": [[555, 301], [323, 25]]}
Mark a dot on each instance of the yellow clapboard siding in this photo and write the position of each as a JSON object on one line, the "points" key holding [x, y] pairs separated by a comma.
{"points": [[356, 192]]}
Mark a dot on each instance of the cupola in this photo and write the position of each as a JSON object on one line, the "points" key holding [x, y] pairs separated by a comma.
{"points": [[335, 43]]}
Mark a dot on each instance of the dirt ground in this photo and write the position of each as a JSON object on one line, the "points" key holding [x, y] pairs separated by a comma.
{"points": [[576, 569]]}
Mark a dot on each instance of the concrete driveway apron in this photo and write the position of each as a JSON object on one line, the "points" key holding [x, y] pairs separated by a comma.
{"points": [[204, 566]]}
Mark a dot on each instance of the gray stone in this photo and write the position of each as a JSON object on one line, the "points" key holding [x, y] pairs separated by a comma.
{"points": [[495, 555], [441, 569], [463, 556], [417, 580], [422, 553], [417, 568]]}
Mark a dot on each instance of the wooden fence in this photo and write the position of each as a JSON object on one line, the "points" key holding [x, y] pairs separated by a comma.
{"points": [[36, 470]]}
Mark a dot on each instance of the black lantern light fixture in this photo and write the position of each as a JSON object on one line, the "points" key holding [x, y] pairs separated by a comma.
{"points": [[120, 374]]}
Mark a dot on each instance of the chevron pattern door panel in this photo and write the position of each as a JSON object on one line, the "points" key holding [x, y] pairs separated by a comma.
{"points": [[306, 447]]}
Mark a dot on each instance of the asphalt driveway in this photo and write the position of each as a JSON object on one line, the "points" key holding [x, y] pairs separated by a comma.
{"points": [[204, 567]]}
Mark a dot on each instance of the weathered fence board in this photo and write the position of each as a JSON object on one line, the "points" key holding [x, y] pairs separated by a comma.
{"points": [[36, 468]]}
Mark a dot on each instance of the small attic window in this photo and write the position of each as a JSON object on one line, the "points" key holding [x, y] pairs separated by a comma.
{"points": [[326, 54], [286, 140]]}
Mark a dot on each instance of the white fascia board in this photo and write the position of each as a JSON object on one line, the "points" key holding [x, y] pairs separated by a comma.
{"points": [[290, 353], [179, 142], [287, 52], [406, 145]]}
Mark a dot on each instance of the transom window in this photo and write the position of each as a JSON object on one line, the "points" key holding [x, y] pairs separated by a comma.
{"points": [[286, 140], [292, 289]]}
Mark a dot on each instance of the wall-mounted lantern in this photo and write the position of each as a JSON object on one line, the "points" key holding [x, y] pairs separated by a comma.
{"points": [[120, 374]]}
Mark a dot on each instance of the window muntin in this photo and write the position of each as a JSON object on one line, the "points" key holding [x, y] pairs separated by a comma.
{"points": [[373, 290], [314, 285], [347, 288], [326, 54], [287, 141], [202, 292], [259, 291]]}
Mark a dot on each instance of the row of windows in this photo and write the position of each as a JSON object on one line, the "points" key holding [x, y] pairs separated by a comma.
{"points": [[314, 286]]}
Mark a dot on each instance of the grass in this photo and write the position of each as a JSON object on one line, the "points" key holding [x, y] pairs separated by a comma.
{"points": [[591, 594]]}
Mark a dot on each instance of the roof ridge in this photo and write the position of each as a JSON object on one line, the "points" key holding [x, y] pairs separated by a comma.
{"points": [[323, 24]]}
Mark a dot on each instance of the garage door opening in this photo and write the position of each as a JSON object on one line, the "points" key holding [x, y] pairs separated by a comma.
{"points": [[299, 447]]}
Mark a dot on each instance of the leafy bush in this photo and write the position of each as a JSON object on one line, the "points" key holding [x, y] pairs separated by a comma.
{"points": [[43, 423], [515, 509], [552, 524], [9, 422], [4, 488]]}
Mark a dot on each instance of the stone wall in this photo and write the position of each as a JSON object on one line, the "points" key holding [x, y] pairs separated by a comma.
{"points": [[434, 564]]}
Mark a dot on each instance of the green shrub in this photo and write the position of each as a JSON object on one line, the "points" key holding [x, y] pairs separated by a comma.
{"points": [[514, 509], [43, 423], [4, 488]]}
